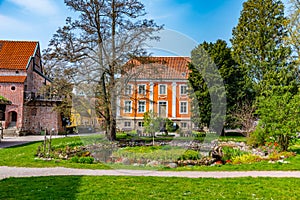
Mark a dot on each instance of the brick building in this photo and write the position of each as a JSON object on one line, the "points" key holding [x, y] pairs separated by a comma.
{"points": [[21, 80], [158, 84]]}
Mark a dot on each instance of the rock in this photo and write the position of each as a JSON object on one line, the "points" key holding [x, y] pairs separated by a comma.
{"points": [[172, 165], [126, 161], [153, 163]]}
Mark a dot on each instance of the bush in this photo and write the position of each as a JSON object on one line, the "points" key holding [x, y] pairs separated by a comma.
{"points": [[229, 153], [190, 155], [86, 160], [246, 159], [257, 138], [198, 134]]}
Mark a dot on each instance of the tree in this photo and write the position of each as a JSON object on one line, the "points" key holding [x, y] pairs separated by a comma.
{"points": [[280, 116], [95, 47], [293, 37], [258, 44], [259, 47], [231, 75]]}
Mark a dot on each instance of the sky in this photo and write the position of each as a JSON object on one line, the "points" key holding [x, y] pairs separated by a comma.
{"points": [[187, 23]]}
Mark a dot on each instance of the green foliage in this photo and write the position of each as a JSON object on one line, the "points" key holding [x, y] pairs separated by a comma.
{"points": [[229, 153], [198, 134], [152, 123], [190, 155], [246, 159], [86, 160], [279, 116], [205, 59], [258, 44]]}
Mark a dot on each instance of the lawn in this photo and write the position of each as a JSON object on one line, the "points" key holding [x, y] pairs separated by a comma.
{"points": [[23, 156], [87, 187]]}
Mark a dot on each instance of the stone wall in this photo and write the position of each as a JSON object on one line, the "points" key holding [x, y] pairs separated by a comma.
{"points": [[41, 117]]}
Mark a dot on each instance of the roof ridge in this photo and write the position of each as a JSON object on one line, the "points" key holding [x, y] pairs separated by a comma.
{"points": [[19, 41]]}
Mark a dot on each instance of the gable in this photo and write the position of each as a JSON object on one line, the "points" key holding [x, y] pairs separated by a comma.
{"points": [[15, 55]]}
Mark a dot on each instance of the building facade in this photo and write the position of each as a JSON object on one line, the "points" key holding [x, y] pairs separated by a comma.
{"points": [[21, 82], [159, 85]]}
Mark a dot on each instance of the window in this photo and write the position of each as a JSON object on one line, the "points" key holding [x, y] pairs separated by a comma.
{"points": [[183, 107], [142, 89], [183, 90], [183, 125], [13, 88], [127, 124], [162, 89], [128, 106], [128, 90], [142, 106], [141, 124]]}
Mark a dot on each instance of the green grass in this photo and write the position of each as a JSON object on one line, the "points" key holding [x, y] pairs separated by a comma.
{"points": [[86, 187], [23, 156]]}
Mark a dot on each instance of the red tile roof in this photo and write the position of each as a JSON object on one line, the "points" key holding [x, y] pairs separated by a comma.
{"points": [[159, 68], [16, 54], [12, 79]]}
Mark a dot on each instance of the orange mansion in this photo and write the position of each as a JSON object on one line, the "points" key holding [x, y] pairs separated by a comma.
{"points": [[158, 85]]}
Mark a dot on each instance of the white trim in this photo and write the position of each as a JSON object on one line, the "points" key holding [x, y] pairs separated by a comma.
{"points": [[118, 106], [167, 114], [180, 89], [138, 107], [174, 97], [187, 107], [166, 89], [151, 98]]}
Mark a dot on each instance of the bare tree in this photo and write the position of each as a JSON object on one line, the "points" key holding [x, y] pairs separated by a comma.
{"points": [[95, 47], [245, 118]]}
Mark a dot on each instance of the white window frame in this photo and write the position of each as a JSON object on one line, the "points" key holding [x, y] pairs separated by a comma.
{"points": [[183, 85], [144, 91], [144, 107], [128, 89], [180, 107], [159, 90], [125, 106], [184, 125], [127, 124]]}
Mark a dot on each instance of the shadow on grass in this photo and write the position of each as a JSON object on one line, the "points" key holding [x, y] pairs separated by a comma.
{"points": [[62, 187]]}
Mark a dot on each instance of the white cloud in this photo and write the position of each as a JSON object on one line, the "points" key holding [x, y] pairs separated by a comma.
{"points": [[8, 24], [40, 7]]}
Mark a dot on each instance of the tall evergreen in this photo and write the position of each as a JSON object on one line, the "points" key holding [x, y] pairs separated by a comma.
{"points": [[258, 44], [205, 58]]}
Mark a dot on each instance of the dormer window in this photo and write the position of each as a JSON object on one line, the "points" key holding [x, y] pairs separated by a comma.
{"points": [[17, 72]]}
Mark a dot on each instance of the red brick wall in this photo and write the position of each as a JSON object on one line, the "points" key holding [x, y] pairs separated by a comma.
{"points": [[17, 99], [37, 118]]}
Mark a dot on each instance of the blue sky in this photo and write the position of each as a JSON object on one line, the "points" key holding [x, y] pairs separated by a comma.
{"points": [[193, 21]]}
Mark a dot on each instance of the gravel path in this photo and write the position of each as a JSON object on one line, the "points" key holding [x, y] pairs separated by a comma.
{"points": [[6, 172]]}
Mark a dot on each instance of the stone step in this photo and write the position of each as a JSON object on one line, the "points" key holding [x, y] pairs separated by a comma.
{"points": [[10, 132]]}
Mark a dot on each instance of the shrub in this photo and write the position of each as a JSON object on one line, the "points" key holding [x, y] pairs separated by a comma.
{"points": [[74, 159], [86, 160], [198, 134], [229, 153], [189, 155], [246, 159]]}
